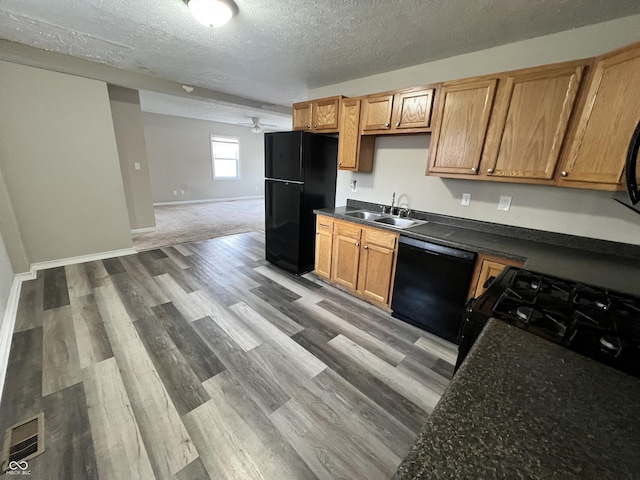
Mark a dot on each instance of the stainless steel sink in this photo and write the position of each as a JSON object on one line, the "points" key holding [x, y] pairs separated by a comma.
{"points": [[389, 220], [364, 215], [399, 222]]}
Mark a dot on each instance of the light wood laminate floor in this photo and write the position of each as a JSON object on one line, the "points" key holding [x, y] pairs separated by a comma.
{"points": [[202, 360]]}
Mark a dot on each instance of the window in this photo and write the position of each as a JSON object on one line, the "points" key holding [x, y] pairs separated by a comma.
{"points": [[226, 157]]}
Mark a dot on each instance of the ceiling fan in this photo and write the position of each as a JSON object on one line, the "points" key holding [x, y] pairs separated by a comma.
{"points": [[256, 125]]}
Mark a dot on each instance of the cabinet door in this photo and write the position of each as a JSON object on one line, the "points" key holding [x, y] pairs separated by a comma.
{"points": [[461, 125], [325, 114], [531, 122], [611, 112], [377, 261], [413, 109], [376, 268], [349, 134], [354, 152], [488, 269], [302, 116], [346, 254], [488, 266], [324, 243], [377, 113]]}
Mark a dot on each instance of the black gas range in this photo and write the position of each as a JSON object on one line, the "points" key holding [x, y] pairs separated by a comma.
{"points": [[596, 322]]}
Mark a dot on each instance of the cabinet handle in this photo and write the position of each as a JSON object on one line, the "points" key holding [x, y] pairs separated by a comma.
{"points": [[386, 125], [366, 247], [474, 169], [564, 174], [357, 244], [308, 126], [315, 126], [489, 170], [397, 124], [339, 163]]}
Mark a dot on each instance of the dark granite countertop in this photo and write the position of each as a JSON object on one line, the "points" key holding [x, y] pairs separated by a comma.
{"points": [[523, 407], [617, 269]]}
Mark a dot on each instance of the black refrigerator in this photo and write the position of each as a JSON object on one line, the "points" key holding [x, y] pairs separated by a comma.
{"points": [[300, 170]]}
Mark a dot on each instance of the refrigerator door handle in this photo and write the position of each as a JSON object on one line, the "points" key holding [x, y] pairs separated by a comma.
{"points": [[284, 181], [631, 166]]}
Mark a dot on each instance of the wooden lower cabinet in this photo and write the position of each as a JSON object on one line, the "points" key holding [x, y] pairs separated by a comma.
{"points": [[362, 259], [488, 266], [324, 246], [346, 254], [377, 264]]}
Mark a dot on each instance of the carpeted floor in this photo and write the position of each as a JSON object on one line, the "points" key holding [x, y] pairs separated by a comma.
{"points": [[201, 221]]}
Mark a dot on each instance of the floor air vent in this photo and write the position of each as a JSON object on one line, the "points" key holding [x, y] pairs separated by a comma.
{"points": [[22, 442]]}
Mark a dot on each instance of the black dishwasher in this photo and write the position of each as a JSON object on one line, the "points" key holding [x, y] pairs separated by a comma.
{"points": [[431, 286]]}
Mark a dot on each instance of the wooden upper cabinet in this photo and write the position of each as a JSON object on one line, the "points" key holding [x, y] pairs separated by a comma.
{"points": [[611, 112], [322, 115], [354, 151], [325, 114], [461, 122], [377, 112], [530, 121], [402, 111], [412, 109], [302, 116]]}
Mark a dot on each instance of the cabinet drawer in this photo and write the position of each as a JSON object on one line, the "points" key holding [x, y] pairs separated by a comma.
{"points": [[347, 229], [324, 224], [379, 237]]}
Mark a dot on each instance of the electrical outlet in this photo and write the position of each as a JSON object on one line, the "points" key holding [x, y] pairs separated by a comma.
{"points": [[466, 199], [181, 192], [505, 204], [175, 192], [354, 186], [136, 165]]}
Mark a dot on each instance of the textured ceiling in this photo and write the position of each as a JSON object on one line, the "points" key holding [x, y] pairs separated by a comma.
{"points": [[275, 50], [153, 102]]}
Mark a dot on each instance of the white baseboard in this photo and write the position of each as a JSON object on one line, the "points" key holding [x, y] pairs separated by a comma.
{"points": [[8, 324], [229, 199], [143, 230], [81, 259]]}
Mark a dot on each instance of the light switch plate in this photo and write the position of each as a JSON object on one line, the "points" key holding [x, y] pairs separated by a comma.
{"points": [[136, 165], [354, 186], [505, 203], [466, 199]]}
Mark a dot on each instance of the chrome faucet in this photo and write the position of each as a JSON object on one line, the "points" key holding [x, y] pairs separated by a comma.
{"points": [[392, 209]]}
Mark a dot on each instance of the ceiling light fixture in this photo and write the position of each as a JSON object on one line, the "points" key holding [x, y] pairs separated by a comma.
{"points": [[256, 129], [212, 13]]}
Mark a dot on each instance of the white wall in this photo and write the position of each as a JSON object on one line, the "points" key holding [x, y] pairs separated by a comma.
{"points": [[60, 164], [400, 162], [179, 154], [127, 125]]}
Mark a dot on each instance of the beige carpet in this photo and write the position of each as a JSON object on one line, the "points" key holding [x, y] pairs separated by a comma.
{"points": [[201, 221]]}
